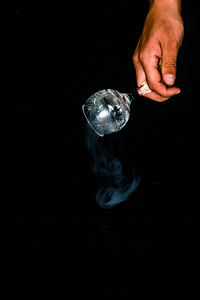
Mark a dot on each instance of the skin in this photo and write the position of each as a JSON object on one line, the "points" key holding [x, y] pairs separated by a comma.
{"points": [[156, 53]]}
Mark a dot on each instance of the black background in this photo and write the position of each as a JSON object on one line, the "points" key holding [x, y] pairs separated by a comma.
{"points": [[55, 241]]}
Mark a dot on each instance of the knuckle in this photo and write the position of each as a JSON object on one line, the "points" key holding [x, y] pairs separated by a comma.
{"points": [[159, 89], [135, 58], [152, 84], [142, 56], [169, 63]]}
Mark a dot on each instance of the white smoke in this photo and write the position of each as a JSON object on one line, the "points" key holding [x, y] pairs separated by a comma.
{"points": [[115, 186]]}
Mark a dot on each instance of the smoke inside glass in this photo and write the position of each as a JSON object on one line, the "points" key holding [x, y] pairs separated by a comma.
{"points": [[107, 111]]}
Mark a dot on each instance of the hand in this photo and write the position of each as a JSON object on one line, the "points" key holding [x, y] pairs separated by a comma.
{"points": [[156, 52]]}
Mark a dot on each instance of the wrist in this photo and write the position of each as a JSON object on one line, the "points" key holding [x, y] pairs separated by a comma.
{"points": [[172, 4]]}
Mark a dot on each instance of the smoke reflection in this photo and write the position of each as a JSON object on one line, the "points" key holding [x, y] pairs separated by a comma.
{"points": [[114, 185]]}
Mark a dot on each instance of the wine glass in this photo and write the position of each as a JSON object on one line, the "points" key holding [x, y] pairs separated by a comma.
{"points": [[107, 111]]}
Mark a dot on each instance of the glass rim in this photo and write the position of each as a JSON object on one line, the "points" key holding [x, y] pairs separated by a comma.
{"points": [[99, 134]]}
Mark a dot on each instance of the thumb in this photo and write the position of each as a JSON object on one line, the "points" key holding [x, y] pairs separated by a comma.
{"points": [[168, 67]]}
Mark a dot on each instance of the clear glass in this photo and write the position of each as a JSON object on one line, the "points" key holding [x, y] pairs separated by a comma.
{"points": [[107, 111]]}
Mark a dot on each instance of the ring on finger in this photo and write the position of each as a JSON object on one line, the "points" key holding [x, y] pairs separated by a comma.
{"points": [[143, 89]]}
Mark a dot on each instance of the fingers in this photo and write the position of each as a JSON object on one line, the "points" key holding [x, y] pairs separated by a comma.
{"points": [[139, 70], [141, 77], [154, 78], [160, 82], [149, 72]]}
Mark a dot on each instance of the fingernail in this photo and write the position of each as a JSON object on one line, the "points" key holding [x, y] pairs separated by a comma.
{"points": [[169, 79], [178, 92]]}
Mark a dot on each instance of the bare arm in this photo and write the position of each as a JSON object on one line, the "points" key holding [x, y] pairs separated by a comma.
{"points": [[156, 52]]}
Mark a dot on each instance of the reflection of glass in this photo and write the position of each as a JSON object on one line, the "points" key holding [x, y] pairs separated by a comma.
{"points": [[108, 111]]}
